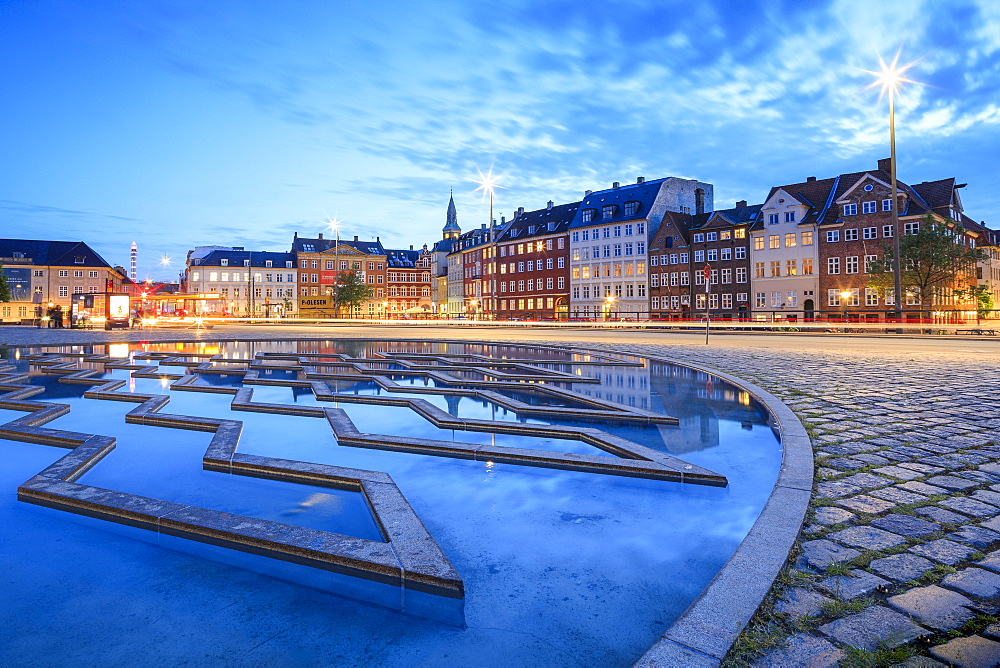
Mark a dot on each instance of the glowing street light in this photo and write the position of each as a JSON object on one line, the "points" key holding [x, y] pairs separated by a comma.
{"points": [[488, 183], [334, 226], [889, 78], [166, 261]]}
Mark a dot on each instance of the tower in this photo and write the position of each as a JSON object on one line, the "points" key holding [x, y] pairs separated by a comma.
{"points": [[451, 229], [131, 269]]}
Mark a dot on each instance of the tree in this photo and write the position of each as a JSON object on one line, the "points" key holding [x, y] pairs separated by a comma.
{"points": [[352, 291], [4, 287], [981, 295], [932, 262]]}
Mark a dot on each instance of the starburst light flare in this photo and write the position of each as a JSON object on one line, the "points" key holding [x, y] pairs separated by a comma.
{"points": [[891, 75], [334, 224], [488, 183], [166, 261]]}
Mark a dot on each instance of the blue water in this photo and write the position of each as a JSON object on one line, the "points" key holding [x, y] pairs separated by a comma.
{"points": [[560, 568]]}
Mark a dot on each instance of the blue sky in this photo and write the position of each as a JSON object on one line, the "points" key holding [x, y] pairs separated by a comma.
{"points": [[176, 124]]}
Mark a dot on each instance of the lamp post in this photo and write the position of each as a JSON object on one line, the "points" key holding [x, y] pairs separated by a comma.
{"points": [[890, 77], [844, 296], [488, 183], [609, 303]]}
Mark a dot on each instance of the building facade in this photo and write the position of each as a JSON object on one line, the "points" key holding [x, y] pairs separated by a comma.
{"points": [[721, 244], [249, 283], [532, 258], [42, 272], [608, 243], [321, 260], [670, 267], [408, 281]]}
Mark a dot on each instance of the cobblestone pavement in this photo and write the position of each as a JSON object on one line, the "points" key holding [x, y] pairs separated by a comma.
{"points": [[899, 560]]}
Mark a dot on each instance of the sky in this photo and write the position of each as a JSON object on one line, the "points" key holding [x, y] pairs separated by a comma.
{"points": [[177, 124]]}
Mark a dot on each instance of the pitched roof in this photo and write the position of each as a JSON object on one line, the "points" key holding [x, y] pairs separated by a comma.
{"points": [[673, 220], [402, 258], [236, 258], [319, 245], [52, 253], [539, 222], [644, 194], [725, 217]]}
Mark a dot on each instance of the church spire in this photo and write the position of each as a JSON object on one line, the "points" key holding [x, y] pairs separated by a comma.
{"points": [[451, 229]]}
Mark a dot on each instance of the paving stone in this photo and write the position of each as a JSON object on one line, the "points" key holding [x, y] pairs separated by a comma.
{"points": [[977, 537], [990, 561], [901, 567], [940, 515], [905, 525], [858, 583], [992, 631], [993, 524], [897, 495], [866, 480], [874, 626], [845, 463], [974, 582], [867, 538], [978, 476], [951, 482], [970, 652], [992, 467], [926, 469], [866, 504], [834, 489], [934, 607], [821, 653], [922, 488], [970, 506], [986, 496], [821, 553], [921, 662], [831, 515], [945, 551], [800, 602], [899, 472], [872, 459]]}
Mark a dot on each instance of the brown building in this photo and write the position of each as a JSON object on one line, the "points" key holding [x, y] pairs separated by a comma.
{"points": [[533, 264], [721, 242], [408, 281], [474, 265], [858, 227], [320, 260], [670, 267]]}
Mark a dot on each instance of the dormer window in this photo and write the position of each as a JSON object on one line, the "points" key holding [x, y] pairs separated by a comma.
{"points": [[246, 263], [608, 212], [267, 263], [552, 226], [79, 259], [289, 264], [224, 262], [531, 229], [631, 208], [588, 215], [19, 255]]}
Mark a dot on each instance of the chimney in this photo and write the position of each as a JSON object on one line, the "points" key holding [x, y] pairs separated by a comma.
{"points": [[503, 219], [810, 179], [641, 179], [587, 193], [377, 240], [615, 184], [549, 204], [484, 225], [741, 204], [520, 210], [885, 164], [321, 236], [411, 246]]}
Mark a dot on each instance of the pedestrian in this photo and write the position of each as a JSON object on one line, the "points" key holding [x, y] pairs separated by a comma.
{"points": [[59, 317], [38, 317], [50, 313]]}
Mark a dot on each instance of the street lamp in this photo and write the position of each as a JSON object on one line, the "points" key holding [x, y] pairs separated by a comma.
{"points": [[844, 296], [889, 78], [609, 303], [334, 227]]}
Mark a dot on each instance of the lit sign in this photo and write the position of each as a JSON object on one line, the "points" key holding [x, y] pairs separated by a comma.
{"points": [[118, 307]]}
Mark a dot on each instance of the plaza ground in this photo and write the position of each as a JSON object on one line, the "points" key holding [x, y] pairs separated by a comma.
{"points": [[901, 548]]}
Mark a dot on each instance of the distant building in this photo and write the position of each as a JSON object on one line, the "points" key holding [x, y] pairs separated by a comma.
{"points": [[320, 260], [720, 241], [42, 272], [249, 283], [408, 281], [439, 260]]}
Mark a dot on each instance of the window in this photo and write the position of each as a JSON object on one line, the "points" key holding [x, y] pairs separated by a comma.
{"points": [[699, 256], [654, 261], [195, 275], [713, 255], [213, 276], [807, 238], [850, 209], [588, 215], [807, 266], [631, 208], [869, 261], [674, 278], [772, 219], [576, 238], [851, 235], [887, 231], [288, 265], [268, 263], [758, 269], [726, 254], [740, 252], [727, 301], [887, 205], [246, 263], [775, 268], [606, 250], [77, 273], [628, 249], [727, 275], [776, 300], [758, 243], [618, 250], [608, 212], [790, 240], [685, 278], [789, 216], [711, 236], [64, 273], [684, 258], [654, 302], [832, 236], [77, 289], [833, 265], [911, 228], [870, 233], [760, 300], [774, 241], [64, 291], [790, 268], [854, 299], [871, 297], [851, 264], [868, 207], [618, 230], [699, 238], [833, 297], [561, 243], [741, 275], [640, 248]]}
